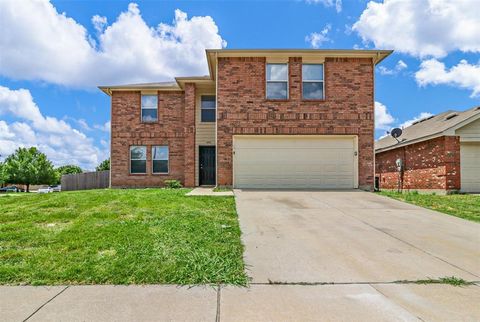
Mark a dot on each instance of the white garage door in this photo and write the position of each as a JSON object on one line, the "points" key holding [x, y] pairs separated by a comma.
{"points": [[470, 166], [323, 162]]}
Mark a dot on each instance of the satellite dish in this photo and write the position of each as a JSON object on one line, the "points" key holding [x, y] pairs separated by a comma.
{"points": [[396, 132]]}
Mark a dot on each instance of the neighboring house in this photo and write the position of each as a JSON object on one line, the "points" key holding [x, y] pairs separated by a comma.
{"points": [[440, 153], [260, 119]]}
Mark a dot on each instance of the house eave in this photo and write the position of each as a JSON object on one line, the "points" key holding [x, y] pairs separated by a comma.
{"points": [[402, 144], [376, 55], [110, 89]]}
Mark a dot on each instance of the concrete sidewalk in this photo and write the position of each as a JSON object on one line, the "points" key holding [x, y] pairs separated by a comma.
{"points": [[208, 191], [259, 302]]}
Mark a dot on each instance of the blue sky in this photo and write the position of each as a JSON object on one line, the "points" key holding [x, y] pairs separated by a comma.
{"points": [[54, 54]]}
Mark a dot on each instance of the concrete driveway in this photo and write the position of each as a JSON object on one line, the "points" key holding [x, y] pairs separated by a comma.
{"points": [[351, 237]]}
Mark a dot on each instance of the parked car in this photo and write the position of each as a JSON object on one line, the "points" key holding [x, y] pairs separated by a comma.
{"points": [[56, 188], [45, 190], [11, 189]]}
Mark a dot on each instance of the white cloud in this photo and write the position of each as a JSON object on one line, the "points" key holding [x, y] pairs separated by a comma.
{"points": [[99, 23], [329, 3], [103, 127], [19, 103], [401, 65], [421, 28], [316, 39], [56, 138], [420, 116], [84, 125], [463, 75], [42, 44], [383, 119]]}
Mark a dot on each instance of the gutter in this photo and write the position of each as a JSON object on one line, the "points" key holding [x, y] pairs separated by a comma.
{"points": [[405, 143]]}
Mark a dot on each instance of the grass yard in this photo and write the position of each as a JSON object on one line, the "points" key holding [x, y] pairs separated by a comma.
{"points": [[119, 237], [463, 206]]}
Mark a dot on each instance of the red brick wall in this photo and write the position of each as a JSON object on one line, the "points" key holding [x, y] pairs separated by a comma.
{"points": [[127, 130], [432, 164], [347, 109], [189, 135]]}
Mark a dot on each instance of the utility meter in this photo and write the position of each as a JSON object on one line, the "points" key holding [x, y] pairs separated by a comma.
{"points": [[399, 164]]}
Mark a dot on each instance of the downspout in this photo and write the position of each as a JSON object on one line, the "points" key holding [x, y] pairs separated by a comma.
{"points": [[373, 97], [404, 164], [216, 118], [111, 142]]}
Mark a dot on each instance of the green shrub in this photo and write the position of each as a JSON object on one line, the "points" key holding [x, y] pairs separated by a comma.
{"points": [[173, 184], [221, 189]]}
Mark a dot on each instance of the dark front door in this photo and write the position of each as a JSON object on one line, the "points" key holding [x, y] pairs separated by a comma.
{"points": [[207, 165]]}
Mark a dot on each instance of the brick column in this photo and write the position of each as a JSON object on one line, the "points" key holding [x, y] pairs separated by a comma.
{"points": [[295, 78], [189, 145], [452, 163]]}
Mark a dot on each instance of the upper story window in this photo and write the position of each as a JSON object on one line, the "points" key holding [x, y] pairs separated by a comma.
{"points": [[138, 159], [277, 81], [312, 82], [208, 106], [149, 108]]}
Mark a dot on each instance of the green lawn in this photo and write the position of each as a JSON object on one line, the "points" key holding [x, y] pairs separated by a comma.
{"points": [[463, 206], [119, 237]]}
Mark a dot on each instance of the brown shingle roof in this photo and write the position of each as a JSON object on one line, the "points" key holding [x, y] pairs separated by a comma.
{"points": [[426, 128]]}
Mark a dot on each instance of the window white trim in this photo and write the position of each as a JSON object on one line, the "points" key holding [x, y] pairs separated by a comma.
{"points": [[277, 81], [153, 107], [167, 159], [131, 159], [207, 108], [315, 81]]}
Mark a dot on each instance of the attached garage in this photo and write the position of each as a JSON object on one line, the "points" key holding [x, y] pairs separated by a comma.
{"points": [[317, 162], [470, 166]]}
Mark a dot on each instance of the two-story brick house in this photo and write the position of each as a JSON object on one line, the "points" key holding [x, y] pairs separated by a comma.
{"points": [[260, 119]]}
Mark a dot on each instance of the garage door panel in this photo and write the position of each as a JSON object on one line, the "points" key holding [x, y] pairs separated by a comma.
{"points": [[314, 162], [275, 143], [470, 166]]}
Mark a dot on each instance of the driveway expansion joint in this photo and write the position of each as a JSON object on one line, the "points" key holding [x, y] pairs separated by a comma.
{"points": [[41, 306], [217, 316], [390, 299], [397, 282]]}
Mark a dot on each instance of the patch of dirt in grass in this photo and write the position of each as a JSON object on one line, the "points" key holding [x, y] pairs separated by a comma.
{"points": [[107, 253], [56, 226]]}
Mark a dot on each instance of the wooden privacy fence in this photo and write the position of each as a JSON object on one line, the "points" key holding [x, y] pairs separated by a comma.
{"points": [[86, 181]]}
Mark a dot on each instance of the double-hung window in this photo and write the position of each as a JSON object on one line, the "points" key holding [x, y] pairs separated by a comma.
{"points": [[277, 81], [160, 159], [149, 108], [312, 82], [138, 159], [208, 107]]}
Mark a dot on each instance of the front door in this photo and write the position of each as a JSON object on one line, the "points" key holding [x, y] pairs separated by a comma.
{"points": [[207, 165]]}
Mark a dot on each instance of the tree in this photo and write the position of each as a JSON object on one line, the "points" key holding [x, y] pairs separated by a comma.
{"points": [[2, 177], [105, 165], [67, 169], [28, 166]]}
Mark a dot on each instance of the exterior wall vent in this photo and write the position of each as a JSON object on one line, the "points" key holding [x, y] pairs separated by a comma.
{"points": [[450, 116], [423, 120]]}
